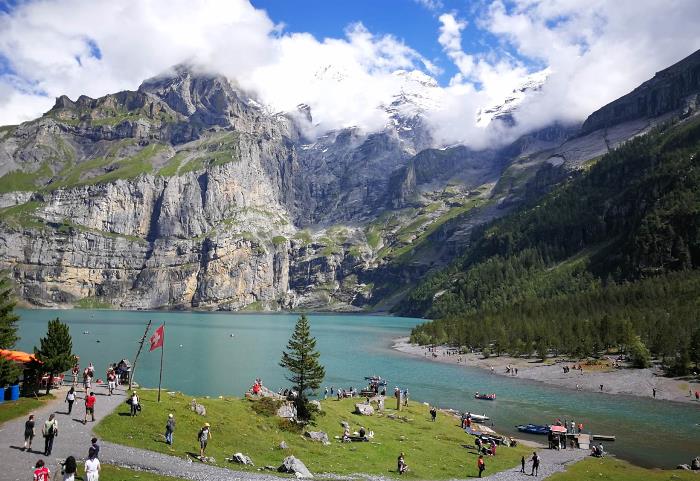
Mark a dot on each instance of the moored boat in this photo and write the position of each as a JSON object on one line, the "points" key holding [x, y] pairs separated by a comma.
{"points": [[533, 428]]}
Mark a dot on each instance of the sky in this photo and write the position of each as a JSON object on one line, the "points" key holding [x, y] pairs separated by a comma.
{"points": [[342, 58]]}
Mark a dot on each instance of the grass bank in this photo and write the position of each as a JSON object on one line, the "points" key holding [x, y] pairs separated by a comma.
{"points": [[439, 450], [611, 469], [22, 407]]}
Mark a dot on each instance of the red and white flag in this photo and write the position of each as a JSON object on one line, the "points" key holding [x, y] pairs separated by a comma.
{"points": [[157, 338]]}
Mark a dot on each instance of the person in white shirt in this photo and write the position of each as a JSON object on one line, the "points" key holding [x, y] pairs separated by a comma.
{"points": [[92, 466]]}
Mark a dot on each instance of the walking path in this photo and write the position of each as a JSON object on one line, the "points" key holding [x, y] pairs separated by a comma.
{"points": [[74, 439]]}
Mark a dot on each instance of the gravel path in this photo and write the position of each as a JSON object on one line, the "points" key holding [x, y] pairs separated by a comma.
{"points": [[74, 439], [551, 462]]}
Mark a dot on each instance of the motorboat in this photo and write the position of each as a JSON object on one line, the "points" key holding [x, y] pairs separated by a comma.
{"points": [[533, 428], [485, 397]]}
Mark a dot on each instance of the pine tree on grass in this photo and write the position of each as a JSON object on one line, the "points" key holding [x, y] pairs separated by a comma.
{"points": [[9, 370], [301, 359], [56, 351]]}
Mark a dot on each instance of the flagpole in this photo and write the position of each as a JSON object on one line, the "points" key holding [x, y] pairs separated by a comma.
{"points": [[162, 349], [133, 367]]}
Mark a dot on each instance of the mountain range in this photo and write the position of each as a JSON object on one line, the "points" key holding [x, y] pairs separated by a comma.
{"points": [[188, 193]]}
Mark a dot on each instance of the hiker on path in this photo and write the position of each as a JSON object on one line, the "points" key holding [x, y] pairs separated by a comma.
{"points": [[169, 429], [92, 467], [204, 436], [49, 431], [28, 433], [41, 472], [69, 468], [134, 401], [401, 466], [94, 446], [535, 464], [70, 399], [90, 400], [480, 464]]}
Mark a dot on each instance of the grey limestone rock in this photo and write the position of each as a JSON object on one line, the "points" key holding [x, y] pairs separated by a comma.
{"points": [[292, 465]]}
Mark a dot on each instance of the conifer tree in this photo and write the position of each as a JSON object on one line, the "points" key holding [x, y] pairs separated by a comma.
{"points": [[301, 359], [8, 332], [56, 351]]}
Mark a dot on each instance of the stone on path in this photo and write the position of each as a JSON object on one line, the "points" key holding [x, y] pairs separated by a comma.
{"points": [[318, 436], [364, 409], [292, 465], [241, 458]]}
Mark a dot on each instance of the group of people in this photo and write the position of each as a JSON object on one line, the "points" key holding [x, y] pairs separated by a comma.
{"points": [[69, 467], [513, 371]]}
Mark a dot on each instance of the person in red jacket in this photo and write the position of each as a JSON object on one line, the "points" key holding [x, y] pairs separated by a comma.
{"points": [[41, 472], [90, 407]]}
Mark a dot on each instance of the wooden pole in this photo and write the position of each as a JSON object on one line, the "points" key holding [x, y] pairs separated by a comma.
{"points": [[133, 368], [162, 348]]}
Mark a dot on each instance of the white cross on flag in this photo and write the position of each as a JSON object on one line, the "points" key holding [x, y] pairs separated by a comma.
{"points": [[157, 338]]}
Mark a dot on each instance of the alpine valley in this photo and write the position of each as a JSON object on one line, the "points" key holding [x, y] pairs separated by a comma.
{"points": [[189, 194]]}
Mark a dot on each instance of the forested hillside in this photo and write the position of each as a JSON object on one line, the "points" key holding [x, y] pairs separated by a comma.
{"points": [[610, 255]]}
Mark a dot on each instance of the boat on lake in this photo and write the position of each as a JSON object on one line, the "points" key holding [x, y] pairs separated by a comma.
{"points": [[376, 380], [533, 428], [479, 418], [485, 397]]}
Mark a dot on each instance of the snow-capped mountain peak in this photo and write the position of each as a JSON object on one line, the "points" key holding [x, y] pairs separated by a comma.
{"points": [[504, 109]]}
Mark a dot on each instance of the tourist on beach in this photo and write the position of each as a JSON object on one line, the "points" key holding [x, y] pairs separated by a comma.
{"points": [[401, 464], [169, 430], [94, 446], [49, 431], [70, 399], [204, 436], [480, 464], [601, 388], [69, 468], [535, 464], [41, 472], [134, 401], [92, 466], [90, 400], [522, 464], [433, 413], [28, 433]]}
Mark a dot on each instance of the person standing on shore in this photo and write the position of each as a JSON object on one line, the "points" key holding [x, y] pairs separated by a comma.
{"points": [[49, 431], [522, 464], [480, 464], [204, 436], [433, 413], [70, 399], [28, 433], [169, 430], [653, 392], [90, 400], [535, 464]]}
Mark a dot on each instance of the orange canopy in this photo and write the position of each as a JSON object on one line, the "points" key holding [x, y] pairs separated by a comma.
{"points": [[18, 356]]}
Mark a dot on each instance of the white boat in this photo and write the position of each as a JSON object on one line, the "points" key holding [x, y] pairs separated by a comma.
{"points": [[480, 418]]}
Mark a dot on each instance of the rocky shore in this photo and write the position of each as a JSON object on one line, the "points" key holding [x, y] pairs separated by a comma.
{"points": [[615, 380]]}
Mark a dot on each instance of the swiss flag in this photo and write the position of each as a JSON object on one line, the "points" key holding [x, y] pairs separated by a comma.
{"points": [[157, 338]]}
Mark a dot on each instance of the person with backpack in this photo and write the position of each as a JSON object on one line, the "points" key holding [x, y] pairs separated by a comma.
{"points": [[203, 436], [480, 464], [49, 431], [70, 399], [41, 472], [90, 400], [28, 433]]}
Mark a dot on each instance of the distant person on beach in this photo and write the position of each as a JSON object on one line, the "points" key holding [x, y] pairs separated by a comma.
{"points": [[203, 437], [90, 400], [169, 430], [401, 464], [134, 402], [653, 392], [480, 464], [49, 431], [70, 399], [92, 467], [28, 433], [69, 468], [535, 464], [601, 388], [41, 472]]}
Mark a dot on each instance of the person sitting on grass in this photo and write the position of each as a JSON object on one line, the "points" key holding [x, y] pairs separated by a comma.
{"points": [[401, 464]]}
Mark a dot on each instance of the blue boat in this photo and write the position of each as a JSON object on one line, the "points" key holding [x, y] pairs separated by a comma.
{"points": [[533, 429]]}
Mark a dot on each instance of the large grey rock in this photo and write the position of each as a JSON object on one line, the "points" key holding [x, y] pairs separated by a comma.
{"points": [[695, 464], [198, 408], [318, 436], [241, 458], [287, 411], [292, 465], [315, 403], [364, 409]]}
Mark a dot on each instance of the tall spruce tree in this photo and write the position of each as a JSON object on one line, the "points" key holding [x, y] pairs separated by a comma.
{"points": [[9, 370], [301, 359], [56, 351]]}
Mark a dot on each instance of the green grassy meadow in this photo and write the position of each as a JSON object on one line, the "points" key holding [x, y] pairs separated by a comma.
{"points": [[611, 469]]}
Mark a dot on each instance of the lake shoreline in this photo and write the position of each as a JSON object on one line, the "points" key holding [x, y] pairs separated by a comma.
{"points": [[627, 381]]}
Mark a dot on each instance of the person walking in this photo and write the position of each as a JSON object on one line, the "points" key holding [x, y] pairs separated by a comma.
{"points": [[111, 381], [522, 464], [41, 472], [134, 403], [28, 433], [49, 431], [535, 464], [92, 467], [94, 446], [70, 399], [480, 464], [69, 468], [203, 436], [401, 466], [90, 400], [169, 429]]}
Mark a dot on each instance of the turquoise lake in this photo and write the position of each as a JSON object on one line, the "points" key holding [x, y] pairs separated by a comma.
{"points": [[201, 358]]}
